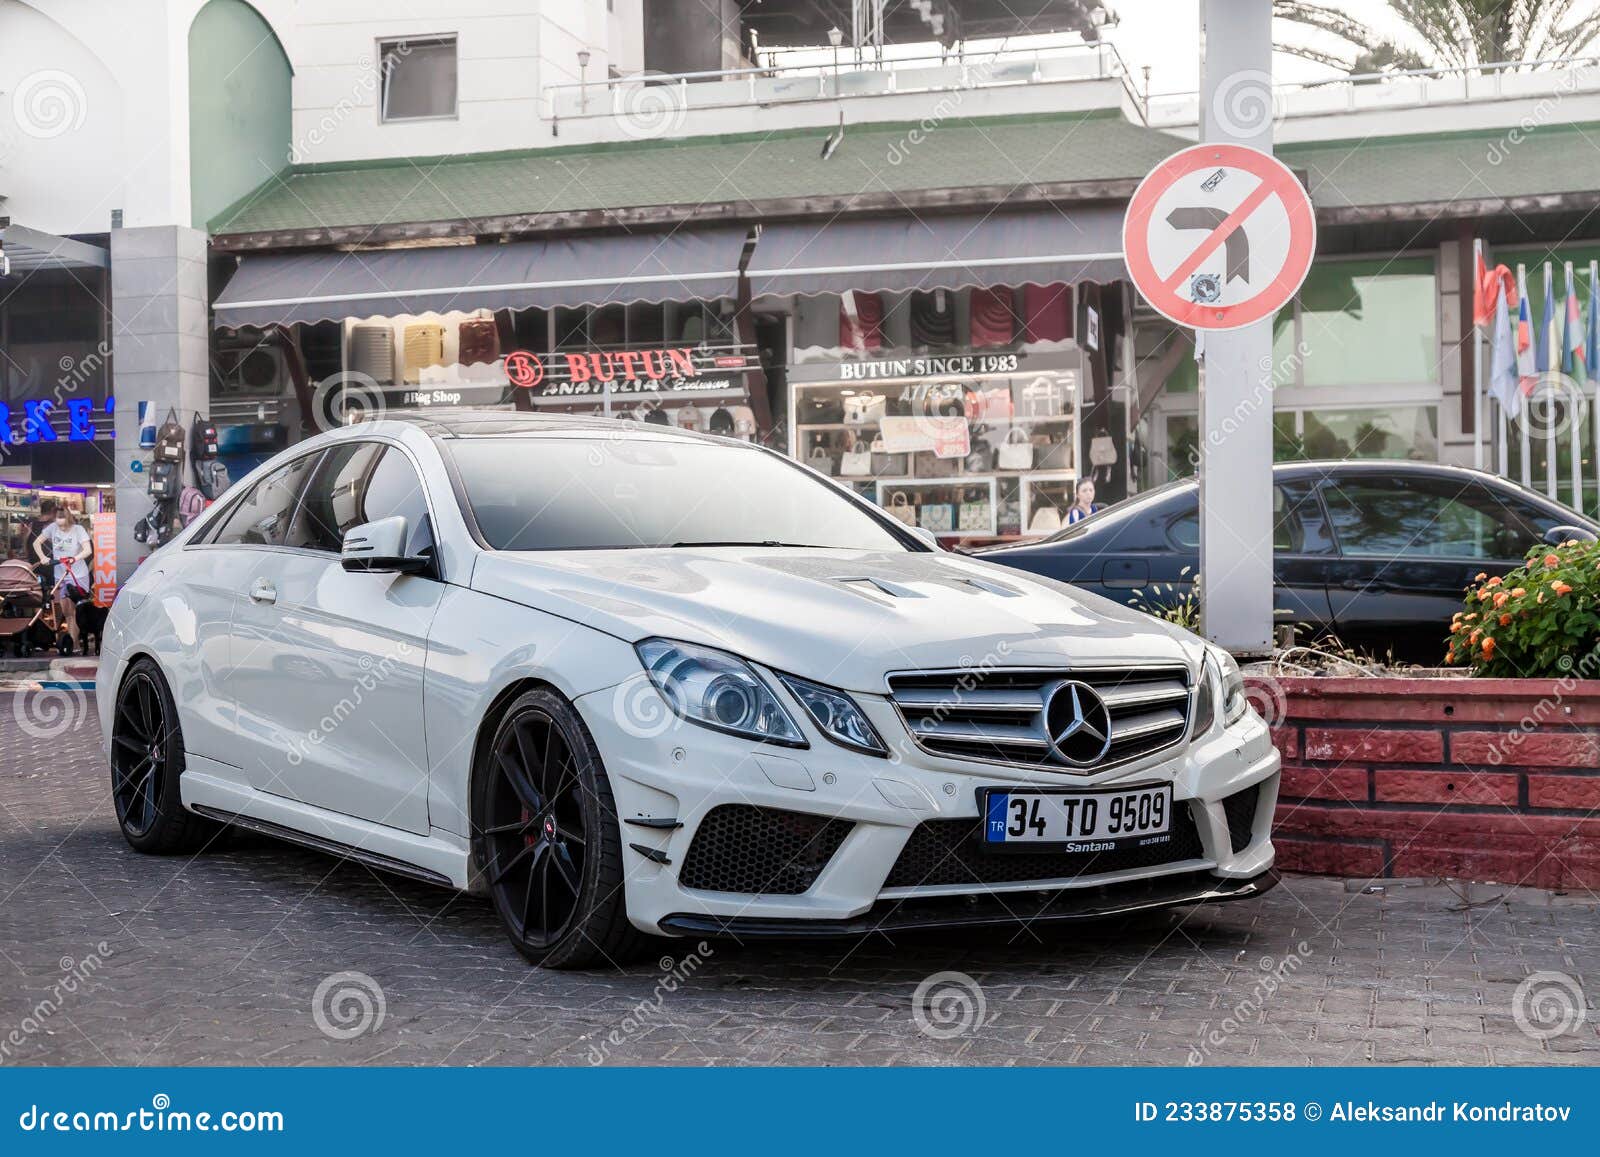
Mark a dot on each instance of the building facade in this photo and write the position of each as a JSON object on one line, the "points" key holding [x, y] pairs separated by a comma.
{"points": [[901, 265]]}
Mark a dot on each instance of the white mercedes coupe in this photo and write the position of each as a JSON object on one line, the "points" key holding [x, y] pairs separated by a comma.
{"points": [[628, 680]]}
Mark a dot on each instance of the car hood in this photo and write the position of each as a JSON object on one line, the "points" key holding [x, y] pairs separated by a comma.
{"points": [[841, 617]]}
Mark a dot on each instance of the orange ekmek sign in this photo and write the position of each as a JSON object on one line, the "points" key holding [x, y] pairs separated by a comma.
{"points": [[104, 580]]}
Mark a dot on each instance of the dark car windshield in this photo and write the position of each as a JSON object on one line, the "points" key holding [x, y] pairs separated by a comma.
{"points": [[1119, 510], [594, 493]]}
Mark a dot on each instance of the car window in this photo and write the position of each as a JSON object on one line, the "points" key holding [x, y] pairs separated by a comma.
{"points": [[1423, 518], [262, 516], [596, 493], [355, 483], [1293, 509]]}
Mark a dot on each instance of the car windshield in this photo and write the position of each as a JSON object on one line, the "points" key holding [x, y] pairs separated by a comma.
{"points": [[597, 493], [1118, 510]]}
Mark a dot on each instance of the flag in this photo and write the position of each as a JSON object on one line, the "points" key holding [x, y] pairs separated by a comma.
{"points": [[1526, 367], [1547, 350], [1503, 357], [1483, 289], [1591, 329], [1572, 356]]}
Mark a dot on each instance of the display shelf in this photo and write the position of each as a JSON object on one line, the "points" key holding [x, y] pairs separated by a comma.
{"points": [[888, 487]]}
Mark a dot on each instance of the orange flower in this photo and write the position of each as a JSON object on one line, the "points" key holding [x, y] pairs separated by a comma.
{"points": [[1505, 620], [1484, 594], [1518, 592], [1560, 587], [1473, 638], [1488, 646], [1552, 560], [1481, 576], [1468, 618], [1540, 599], [1494, 582], [1500, 599]]}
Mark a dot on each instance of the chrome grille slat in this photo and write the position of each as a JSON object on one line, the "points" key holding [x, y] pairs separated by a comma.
{"points": [[998, 715]]}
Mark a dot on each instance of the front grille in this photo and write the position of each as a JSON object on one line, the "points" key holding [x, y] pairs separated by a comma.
{"points": [[741, 848], [1241, 811], [950, 852], [999, 715]]}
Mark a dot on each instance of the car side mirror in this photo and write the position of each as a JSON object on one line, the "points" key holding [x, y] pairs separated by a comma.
{"points": [[926, 536], [380, 548], [1557, 535]]}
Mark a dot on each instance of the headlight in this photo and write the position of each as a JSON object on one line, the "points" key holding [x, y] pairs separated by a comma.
{"points": [[1220, 681], [837, 715], [717, 690]]}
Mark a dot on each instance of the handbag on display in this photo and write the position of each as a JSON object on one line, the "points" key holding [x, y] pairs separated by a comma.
{"points": [[939, 517], [885, 464], [980, 460], [1046, 312], [1045, 520], [170, 439], [820, 460], [937, 467], [1042, 398], [1102, 451], [744, 423], [993, 320], [212, 477], [1016, 452], [976, 516], [203, 440], [900, 509], [821, 411], [991, 405], [856, 462], [1056, 456], [690, 417], [864, 409], [933, 319], [720, 422], [860, 321], [477, 342]]}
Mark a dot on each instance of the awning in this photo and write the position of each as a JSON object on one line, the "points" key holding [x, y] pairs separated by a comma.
{"points": [[938, 252], [24, 250], [601, 270]]}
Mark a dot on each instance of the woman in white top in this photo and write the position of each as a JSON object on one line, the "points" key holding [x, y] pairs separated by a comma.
{"points": [[69, 547]]}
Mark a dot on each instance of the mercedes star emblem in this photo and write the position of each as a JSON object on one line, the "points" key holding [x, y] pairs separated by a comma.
{"points": [[1078, 724]]}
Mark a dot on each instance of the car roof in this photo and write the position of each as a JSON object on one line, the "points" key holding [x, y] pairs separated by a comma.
{"points": [[455, 422]]}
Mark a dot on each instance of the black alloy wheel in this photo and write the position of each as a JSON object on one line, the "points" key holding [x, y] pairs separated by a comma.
{"points": [[548, 845], [146, 761]]}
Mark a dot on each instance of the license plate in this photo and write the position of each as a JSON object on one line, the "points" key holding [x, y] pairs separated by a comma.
{"points": [[1076, 821]]}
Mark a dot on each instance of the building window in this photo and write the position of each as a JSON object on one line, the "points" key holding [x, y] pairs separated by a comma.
{"points": [[418, 78]]}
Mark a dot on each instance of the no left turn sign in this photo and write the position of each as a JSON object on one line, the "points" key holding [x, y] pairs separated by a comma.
{"points": [[1219, 236]]}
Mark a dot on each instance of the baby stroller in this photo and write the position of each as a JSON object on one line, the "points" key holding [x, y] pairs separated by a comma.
{"points": [[22, 608]]}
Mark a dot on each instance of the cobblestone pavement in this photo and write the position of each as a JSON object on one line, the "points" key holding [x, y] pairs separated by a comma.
{"points": [[107, 956]]}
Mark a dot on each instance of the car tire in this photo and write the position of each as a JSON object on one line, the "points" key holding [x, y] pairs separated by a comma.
{"points": [[146, 761], [546, 839]]}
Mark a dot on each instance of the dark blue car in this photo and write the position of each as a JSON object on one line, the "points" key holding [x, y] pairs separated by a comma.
{"points": [[1376, 553]]}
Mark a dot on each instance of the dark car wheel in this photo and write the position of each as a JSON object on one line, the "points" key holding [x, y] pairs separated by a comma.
{"points": [[146, 761], [546, 838]]}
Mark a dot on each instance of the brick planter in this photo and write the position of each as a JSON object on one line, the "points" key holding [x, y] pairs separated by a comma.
{"points": [[1482, 779]]}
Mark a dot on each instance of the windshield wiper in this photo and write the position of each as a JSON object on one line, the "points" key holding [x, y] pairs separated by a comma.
{"points": [[743, 542]]}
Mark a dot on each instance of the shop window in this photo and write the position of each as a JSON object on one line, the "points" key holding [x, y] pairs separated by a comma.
{"points": [[1363, 323], [418, 78], [1407, 432]]}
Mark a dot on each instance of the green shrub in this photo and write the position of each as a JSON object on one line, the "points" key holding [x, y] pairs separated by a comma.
{"points": [[1536, 621]]}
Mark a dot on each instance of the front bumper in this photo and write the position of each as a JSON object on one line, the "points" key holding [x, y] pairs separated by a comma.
{"points": [[667, 775]]}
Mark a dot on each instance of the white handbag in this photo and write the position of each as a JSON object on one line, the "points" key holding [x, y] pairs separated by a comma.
{"points": [[864, 409], [856, 462], [1045, 520], [820, 460], [1016, 452], [900, 508]]}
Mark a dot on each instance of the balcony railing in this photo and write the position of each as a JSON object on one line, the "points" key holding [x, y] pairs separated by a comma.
{"points": [[665, 96]]}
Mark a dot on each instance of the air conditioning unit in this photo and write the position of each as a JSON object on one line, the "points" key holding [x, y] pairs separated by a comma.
{"points": [[246, 368]]}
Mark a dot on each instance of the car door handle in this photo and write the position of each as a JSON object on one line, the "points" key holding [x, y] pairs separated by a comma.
{"points": [[1374, 586], [263, 592]]}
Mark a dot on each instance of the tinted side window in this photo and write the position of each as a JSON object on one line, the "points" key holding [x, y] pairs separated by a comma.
{"points": [[1422, 519], [356, 483], [333, 498], [262, 517]]}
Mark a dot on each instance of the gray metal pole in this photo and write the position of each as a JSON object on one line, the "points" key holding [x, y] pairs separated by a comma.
{"points": [[1236, 380]]}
